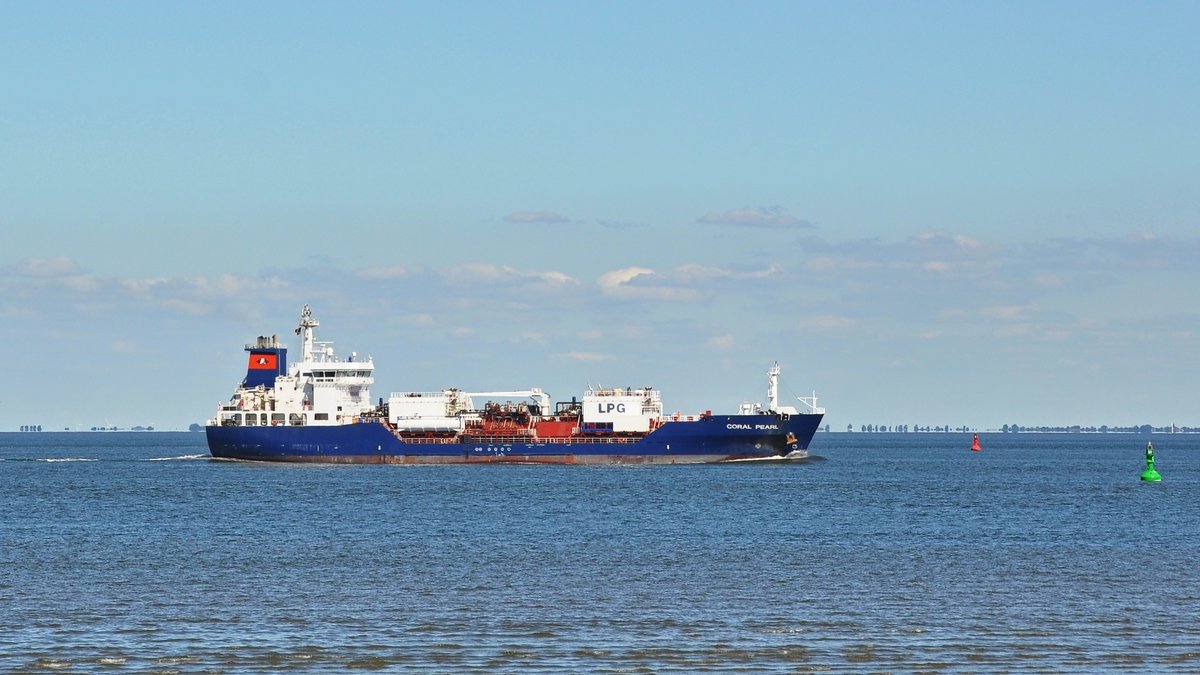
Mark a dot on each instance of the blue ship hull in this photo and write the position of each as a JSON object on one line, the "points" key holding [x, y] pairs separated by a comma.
{"points": [[714, 438]]}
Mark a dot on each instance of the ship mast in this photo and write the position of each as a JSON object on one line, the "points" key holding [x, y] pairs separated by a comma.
{"points": [[307, 323], [773, 388]]}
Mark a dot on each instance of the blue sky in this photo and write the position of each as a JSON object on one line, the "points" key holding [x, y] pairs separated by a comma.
{"points": [[930, 213]]}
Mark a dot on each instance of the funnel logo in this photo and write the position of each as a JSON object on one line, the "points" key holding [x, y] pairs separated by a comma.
{"points": [[262, 362]]}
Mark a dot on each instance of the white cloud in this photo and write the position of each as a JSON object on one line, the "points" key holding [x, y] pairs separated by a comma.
{"points": [[81, 283], [1007, 313], [536, 217], [224, 285], [141, 285], [124, 347], [946, 300], [1015, 330], [58, 283], [58, 270], [722, 343], [43, 267], [476, 272], [632, 331], [418, 320], [183, 306], [557, 278], [611, 281], [835, 264], [827, 322], [385, 272], [763, 216], [616, 282], [943, 266], [686, 282], [1048, 280], [641, 283], [693, 271], [528, 337], [585, 356], [948, 238]]}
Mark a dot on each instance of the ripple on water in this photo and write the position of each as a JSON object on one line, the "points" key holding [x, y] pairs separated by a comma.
{"points": [[49, 663], [173, 565]]}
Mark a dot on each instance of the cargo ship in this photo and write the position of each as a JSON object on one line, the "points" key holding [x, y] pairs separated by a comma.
{"points": [[320, 409]]}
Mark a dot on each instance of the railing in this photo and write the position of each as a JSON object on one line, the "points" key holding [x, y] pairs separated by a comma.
{"points": [[467, 439], [811, 402], [680, 417], [430, 441], [557, 440]]}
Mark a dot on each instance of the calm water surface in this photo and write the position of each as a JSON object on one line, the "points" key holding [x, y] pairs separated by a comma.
{"points": [[133, 552]]}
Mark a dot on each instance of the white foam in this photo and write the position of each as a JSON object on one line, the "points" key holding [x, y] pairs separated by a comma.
{"points": [[793, 456], [178, 458], [69, 459]]}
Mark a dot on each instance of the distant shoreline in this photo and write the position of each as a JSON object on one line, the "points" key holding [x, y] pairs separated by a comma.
{"points": [[1127, 431], [1164, 431]]}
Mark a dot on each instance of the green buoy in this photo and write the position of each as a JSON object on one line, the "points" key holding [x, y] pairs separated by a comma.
{"points": [[1150, 474]]}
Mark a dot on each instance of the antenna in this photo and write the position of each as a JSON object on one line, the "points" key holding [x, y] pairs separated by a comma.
{"points": [[307, 323], [773, 388]]}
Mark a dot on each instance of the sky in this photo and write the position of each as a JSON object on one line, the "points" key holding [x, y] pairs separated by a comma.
{"points": [[930, 213]]}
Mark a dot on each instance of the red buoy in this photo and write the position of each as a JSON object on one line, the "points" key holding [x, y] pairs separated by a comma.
{"points": [[975, 444]]}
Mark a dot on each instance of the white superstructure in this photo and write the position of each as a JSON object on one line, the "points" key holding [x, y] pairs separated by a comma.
{"points": [[773, 399], [321, 389]]}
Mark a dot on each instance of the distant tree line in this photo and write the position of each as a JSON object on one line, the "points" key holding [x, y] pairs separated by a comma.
{"points": [[1102, 429], [38, 427], [905, 428], [1016, 428]]}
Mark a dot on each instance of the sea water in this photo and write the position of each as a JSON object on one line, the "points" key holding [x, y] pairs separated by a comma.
{"points": [[135, 552]]}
